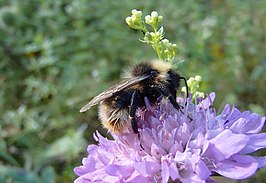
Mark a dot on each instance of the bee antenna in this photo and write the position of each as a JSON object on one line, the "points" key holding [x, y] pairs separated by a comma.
{"points": [[185, 84]]}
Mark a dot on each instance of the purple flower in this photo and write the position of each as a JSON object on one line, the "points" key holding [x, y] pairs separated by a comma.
{"points": [[181, 146]]}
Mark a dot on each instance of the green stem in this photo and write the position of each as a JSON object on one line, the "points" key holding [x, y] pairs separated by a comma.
{"points": [[156, 45], [143, 27], [158, 50]]}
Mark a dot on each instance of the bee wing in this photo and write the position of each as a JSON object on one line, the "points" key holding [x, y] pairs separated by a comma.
{"points": [[112, 91]]}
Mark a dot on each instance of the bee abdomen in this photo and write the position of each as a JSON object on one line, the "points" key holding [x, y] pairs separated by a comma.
{"points": [[114, 119]]}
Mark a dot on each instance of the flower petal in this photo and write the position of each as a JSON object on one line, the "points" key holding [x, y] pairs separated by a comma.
{"points": [[147, 168], [261, 161], [251, 124], [202, 170], [256, 123], [225, 145], [82, 180], [116, 170], [165, 172], [173, 171], [206, 103], [95, 176], [192, 178], [226, 110], [157, 151], [80, 170], [111, 179], [89, 163], [135, 177], [256, 142], [172, 148], [176, 147], [235, 113], [237, 167]]}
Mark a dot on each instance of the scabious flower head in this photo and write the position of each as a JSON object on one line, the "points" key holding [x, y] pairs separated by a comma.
{"points": [[185, 146]]}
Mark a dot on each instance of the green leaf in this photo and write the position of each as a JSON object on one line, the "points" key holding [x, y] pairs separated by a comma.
{"points": [[48, 175], [15, 174], [65, 148], [4, 155]]}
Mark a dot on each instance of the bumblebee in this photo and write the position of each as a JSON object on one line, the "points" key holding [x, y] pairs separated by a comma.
{"points": [[118, 104]]}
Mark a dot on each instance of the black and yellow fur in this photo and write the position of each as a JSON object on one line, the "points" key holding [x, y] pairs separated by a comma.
{"points": [[119, 103]]}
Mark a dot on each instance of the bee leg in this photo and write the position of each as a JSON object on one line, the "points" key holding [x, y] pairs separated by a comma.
{"points": [[178, 107], [168, 95], [183, 78], [174, 103], [185, 84], [132, 111]]}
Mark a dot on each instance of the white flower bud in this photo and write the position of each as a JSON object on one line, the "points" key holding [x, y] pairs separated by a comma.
{"points": [[138, 14], [184, 89], [133, 11], [190, 81], [134, 19], [154, 14], [152, 34], [165, 41], [198, 78], [160, 19], [129, 20]]}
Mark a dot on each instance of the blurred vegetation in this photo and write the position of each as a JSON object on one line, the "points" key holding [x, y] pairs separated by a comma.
{"points": [[56, 55]]}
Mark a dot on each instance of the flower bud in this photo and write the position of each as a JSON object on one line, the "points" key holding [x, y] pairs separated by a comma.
{"points": [[133, 11], [152, 34], [174, 46], [129, 20], [167, 53], [165, 41], [198, 78], [184, 89], [199, 94], [169, 46], [138, 14], [148, 19], [190, 81], [154, 14], [160, 19], [134, 19]]}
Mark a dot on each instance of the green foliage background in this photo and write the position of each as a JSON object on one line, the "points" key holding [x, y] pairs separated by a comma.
{"points": [[56, 55]]}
